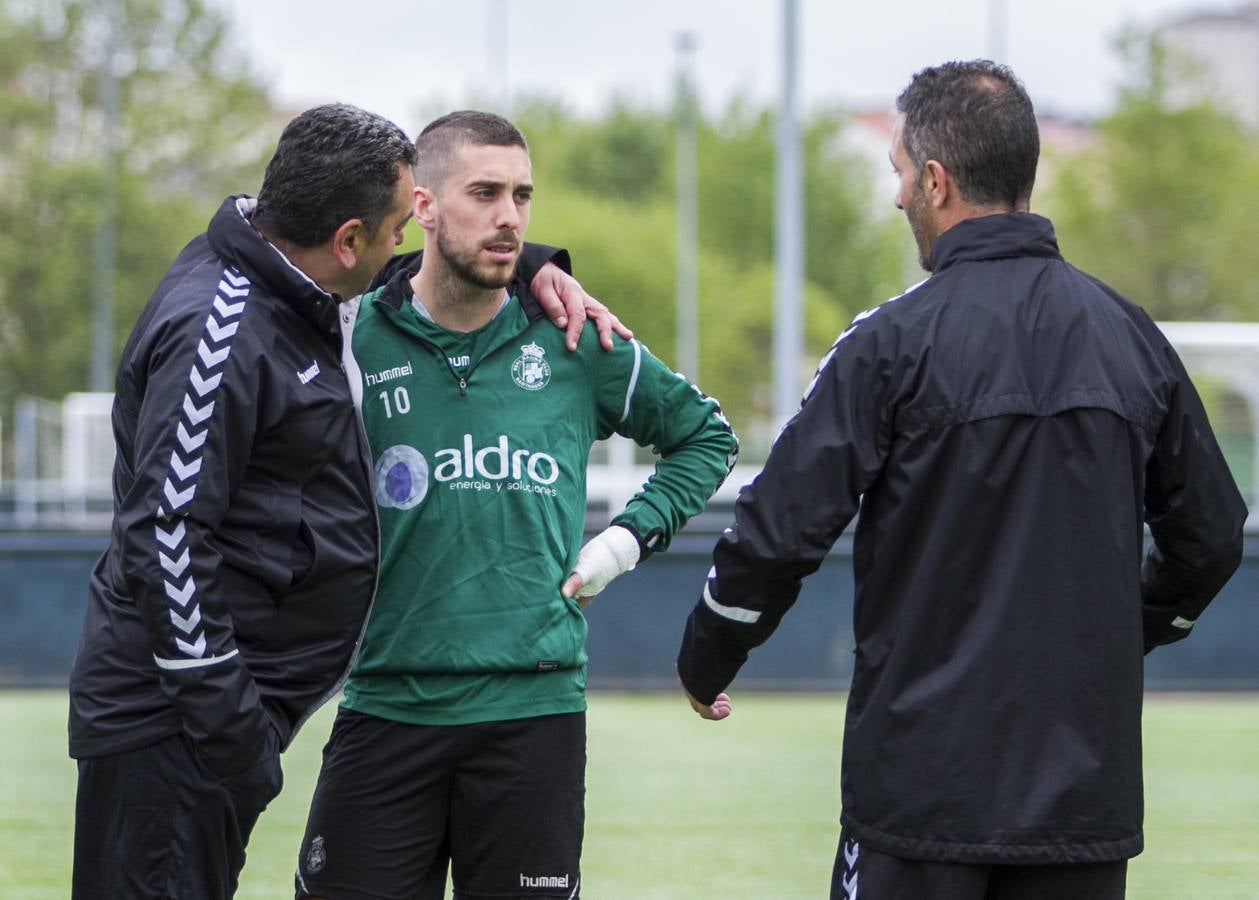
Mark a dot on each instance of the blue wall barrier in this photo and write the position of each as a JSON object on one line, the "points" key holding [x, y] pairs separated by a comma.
{"points": [[635, 625]]}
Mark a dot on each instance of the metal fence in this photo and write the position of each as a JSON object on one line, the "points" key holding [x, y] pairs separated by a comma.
{"points": [[56, 468]]}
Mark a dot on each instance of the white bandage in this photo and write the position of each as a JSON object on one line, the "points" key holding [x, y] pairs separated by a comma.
{"points": [[612, 552]]}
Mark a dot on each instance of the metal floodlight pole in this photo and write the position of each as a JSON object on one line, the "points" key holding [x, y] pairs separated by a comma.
{"points": [[788, 231], [496, 52], [26, 481], [998, 30], [106, 243], [687, 212]]}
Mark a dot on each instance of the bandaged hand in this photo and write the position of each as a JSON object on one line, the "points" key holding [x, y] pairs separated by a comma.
{"points": [[612, 552]]}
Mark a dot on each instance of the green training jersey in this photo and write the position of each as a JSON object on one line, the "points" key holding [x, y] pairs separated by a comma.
{"points": [[481, 442]]}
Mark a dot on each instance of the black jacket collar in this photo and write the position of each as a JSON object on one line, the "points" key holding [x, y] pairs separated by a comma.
{"points": [[995, 237], [397, 289], [239, 244]]}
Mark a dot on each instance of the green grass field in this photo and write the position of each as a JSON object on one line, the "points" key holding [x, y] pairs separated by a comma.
{"points": [[682, 808]]}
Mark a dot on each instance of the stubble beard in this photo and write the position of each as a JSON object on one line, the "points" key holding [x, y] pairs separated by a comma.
{"points": [[464, 265], [919, 224]]}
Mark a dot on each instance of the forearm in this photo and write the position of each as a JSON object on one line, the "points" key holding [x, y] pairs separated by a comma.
{"points": [[172, 575], [679, 488], [534, 256], [1196, 515], [696, 446]]}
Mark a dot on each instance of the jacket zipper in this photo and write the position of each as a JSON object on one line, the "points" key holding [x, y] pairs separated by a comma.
{"points": [[365, 456]]}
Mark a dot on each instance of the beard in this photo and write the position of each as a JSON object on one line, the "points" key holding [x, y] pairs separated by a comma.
{"points": [[463, 262], [920, 224]]}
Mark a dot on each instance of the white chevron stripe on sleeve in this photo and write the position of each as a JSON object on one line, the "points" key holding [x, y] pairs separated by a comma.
{"points": [[197, 414], [212, 358], [175, 566], [180, 595], [184, 470], [193, 648], [219, 332], [188, 441], [186, 625], [174, 556], [170, 539], [228, 310], [233, 291], [201, 385], [175, 498]]}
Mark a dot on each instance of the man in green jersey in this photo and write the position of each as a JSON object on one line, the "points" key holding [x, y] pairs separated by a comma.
{"points": [[461, 738]]}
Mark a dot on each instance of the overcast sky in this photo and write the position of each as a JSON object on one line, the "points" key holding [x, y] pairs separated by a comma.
{"points": [[410, 59]]}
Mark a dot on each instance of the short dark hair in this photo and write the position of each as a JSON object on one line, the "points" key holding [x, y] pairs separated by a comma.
{"points": [[333, 163], [976, 119], [442, 138]]}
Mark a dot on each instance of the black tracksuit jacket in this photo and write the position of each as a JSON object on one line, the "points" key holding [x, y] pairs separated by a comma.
{"points": [[243, 553], [1004, 428]]}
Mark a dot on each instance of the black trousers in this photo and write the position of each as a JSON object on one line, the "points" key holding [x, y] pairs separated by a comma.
{"points": [[156, 823], [502, 804], [864, 874]]}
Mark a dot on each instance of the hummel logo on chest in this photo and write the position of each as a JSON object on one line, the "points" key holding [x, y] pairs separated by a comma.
{"points": [[309, 375], [388, 374]]}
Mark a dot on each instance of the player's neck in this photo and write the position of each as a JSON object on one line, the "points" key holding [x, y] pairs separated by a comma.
{"points": [[454, 303]]}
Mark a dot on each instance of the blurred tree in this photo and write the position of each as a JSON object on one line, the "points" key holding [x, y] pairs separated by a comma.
{"points": [[192, 127], [624, 255], [606, 191], [1163, 206], [626, 154]]}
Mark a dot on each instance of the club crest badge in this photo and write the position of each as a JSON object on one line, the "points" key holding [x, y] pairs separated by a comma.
{"points": [[530, 370], [315, 858]]}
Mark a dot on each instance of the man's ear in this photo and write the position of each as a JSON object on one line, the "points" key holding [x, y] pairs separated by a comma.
{"points": [[937, 183], [424, 207], [348, 241]]}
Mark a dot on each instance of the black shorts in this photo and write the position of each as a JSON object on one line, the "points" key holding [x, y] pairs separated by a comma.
{"points": [[502, 802], [156, 823], [864, 874]]}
